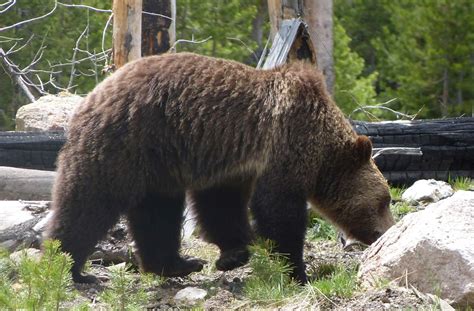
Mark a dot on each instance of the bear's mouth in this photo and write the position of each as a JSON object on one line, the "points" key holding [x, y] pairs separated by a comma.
{"points": [[350, 244]]}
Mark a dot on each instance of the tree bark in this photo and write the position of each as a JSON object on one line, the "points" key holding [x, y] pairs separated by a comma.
{"points": [[126, 31], [318, 16], [158, 32]]}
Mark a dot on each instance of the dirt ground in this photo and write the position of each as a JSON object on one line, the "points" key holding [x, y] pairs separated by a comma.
{"points": [[225, 289]]}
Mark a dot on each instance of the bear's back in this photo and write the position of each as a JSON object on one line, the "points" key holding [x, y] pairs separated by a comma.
{"points": [[190, 115]]}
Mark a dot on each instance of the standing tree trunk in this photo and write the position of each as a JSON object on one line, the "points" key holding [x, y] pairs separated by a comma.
{"points": [[158, 32], [317, 14], [127, 31]]}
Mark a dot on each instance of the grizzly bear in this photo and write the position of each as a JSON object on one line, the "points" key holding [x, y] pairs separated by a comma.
{"points": [[163, 126]]}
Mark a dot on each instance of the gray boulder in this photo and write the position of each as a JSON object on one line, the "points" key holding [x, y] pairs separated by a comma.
{"points": [[48, 113], [432, 249]]}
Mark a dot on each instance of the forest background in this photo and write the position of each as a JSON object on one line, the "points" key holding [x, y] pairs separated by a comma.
{"points": [[412, 56]]}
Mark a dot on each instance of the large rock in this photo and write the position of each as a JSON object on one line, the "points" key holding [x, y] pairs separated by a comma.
{"points": [[427, 191], [432, 249], [48, 113]]}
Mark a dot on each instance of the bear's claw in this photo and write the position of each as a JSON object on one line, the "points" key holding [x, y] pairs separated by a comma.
{"points": [[232, 259], [182, 267], [84, 278]]}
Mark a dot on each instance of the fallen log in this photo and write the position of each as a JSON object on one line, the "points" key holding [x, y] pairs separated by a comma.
{"points": [[25, 184], [34, 150], [439, 149], [446, 146]]}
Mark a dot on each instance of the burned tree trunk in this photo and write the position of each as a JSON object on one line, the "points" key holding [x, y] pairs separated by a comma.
{"points": [[158, 31]]}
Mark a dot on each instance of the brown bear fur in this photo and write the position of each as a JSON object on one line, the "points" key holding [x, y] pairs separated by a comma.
{"points": [[164, 125]]}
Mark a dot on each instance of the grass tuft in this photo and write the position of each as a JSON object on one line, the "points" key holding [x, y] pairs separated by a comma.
{"points": [[400, 209], [396, 193], [270, 281], [320, 229], [337, 281], [461, 183]]}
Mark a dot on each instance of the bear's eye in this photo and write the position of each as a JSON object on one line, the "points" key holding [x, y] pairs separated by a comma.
{"points": [[384, 204]]}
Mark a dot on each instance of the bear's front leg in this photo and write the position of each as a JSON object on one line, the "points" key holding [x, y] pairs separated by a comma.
{"points": [[155, 225], [281, 216]]}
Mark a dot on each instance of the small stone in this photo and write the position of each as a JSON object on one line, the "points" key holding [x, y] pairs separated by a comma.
{"points": [[427, 191], [190, 296], [32, 253]]}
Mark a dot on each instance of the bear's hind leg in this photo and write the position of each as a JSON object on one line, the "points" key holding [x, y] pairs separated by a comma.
{"points": [[155, 225], [222, 214], [79, 225]]}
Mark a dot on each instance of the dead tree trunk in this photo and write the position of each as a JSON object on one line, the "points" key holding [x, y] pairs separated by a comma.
{"points": [[158, 31], [127, 31], [317, 14]]}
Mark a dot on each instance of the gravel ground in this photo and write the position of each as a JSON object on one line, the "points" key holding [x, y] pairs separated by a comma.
{"points": [[225, 289]]}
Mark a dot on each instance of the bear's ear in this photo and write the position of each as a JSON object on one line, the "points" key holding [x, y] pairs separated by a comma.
{"points": [[363, 148]]}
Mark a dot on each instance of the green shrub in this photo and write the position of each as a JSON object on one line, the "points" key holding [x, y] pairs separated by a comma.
{"points": [[124, 291], [32, 284]]}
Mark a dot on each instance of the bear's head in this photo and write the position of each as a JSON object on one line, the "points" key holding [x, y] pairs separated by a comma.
{"points": [[358, 199]]}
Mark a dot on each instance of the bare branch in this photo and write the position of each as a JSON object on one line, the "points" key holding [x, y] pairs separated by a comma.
{"points": [[173, 48], [12, 51], [156, 14], [31, 19], [18, 79], [381, 107], [36, 58], [92, 56], [4, 39], [73, 67], [104, 32], [108, 10], [8, 5], [85, 7], [246, 46]]}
